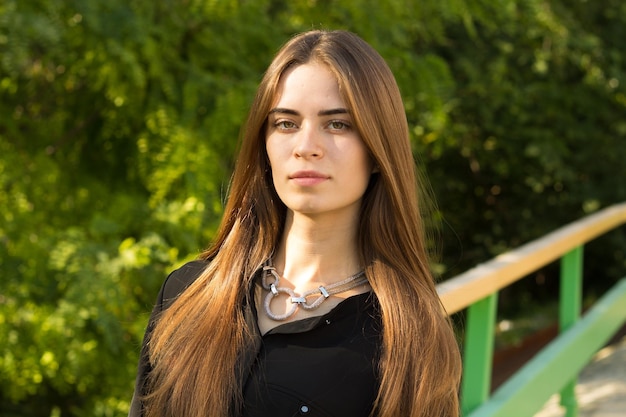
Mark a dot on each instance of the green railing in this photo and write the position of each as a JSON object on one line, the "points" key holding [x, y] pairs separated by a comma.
{"points": [[556, 367]]}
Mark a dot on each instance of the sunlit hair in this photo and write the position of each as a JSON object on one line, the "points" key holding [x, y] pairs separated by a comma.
{"points": [[197, 342]]}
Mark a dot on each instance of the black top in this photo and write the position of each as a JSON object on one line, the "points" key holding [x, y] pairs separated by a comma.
{"points": [[319, 366]]}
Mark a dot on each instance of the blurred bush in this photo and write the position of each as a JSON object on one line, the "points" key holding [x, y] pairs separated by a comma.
{"points": [[119, 122]]}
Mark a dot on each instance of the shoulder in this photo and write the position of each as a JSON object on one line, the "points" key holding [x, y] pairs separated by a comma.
{"points": [[179, 279]]}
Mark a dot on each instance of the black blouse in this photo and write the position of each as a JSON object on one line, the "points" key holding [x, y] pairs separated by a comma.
{"points": [[319, 366]]}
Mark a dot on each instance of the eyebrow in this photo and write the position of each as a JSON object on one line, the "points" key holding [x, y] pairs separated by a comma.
{"points": [[328, 112]]}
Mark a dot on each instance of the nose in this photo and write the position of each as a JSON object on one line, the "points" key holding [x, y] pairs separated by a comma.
{"points": [[309, 143]]}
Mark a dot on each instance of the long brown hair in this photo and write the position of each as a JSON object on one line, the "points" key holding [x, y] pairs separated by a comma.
{"points": [[197, 341]]}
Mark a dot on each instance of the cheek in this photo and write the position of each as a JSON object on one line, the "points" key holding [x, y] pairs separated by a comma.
{"points": [[275, 156], [364, 160], [270, 152]]}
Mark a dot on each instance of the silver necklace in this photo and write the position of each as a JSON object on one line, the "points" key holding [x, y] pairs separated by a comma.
{"points": [[301, 300]]}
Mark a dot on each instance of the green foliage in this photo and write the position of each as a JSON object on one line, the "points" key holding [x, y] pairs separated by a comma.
{"points": [[536, 137], [119, 123]]}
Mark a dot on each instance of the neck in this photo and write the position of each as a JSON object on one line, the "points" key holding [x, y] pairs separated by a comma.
{"points": [[316, 250]]}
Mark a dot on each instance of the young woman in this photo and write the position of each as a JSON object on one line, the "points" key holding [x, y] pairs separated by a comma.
{"points": [[316, 297]]}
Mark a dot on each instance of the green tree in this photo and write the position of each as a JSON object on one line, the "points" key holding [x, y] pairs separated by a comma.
{"points": [[536, 136], [118, 128]]}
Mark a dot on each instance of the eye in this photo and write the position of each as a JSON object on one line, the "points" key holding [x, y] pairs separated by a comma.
{"points": [[284, 125], [338, 125]]}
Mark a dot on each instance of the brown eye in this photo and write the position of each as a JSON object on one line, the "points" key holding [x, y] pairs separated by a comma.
{"points": [[285, 124], [338, 125]]}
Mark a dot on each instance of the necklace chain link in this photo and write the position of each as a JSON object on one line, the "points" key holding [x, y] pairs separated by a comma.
{"points": [[298, 300]]}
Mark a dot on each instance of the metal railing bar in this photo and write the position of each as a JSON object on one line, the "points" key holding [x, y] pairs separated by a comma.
{"points": [[570, 307], [478, 353], [555, 366], [479, 282]]}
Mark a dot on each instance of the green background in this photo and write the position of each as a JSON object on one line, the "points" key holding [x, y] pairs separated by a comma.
{"points": [[119, 122]]}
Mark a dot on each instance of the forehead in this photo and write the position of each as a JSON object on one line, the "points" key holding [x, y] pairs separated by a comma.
{"points": [[310, 83]]}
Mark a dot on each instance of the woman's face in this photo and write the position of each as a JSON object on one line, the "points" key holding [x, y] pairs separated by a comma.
{"points": [[319, 163]]}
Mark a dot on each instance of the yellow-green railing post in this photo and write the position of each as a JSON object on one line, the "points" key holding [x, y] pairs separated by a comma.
{"points": [[478, 352], [559, 362], [570, 305]]}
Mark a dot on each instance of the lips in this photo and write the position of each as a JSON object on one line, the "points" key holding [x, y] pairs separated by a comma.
{"points": [[307, 174], [308, 178]]}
